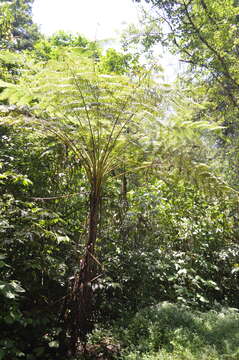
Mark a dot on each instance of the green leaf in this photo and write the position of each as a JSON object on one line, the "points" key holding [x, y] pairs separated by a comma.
{"points": [[9, 294], [5, 84], [20, 354], [53, 344], [3, 264], [202, 298], [62, 239]]}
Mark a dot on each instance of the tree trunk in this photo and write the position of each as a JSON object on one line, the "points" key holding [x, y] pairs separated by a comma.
{"points": [[79, 310], [124, 190]]}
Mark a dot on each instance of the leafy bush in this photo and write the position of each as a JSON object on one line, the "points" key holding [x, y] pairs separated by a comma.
{"points": [[32, 273], [183, 245]]}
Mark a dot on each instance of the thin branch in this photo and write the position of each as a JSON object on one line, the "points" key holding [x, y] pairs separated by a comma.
{"points": [[54, 197], [204, 5]]}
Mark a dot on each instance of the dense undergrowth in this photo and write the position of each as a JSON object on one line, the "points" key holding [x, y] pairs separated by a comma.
{"points": [[170, 332]]}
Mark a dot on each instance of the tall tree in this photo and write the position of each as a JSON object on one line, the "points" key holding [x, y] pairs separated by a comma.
{"points": [[98, 117], [18, 32]]}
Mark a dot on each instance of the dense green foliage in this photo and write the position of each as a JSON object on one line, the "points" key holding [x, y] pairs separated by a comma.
{"points": [[17, 30], [118, 189]]}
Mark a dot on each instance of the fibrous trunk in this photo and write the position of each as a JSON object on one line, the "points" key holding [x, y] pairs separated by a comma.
{"points": [[79, 303]]}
